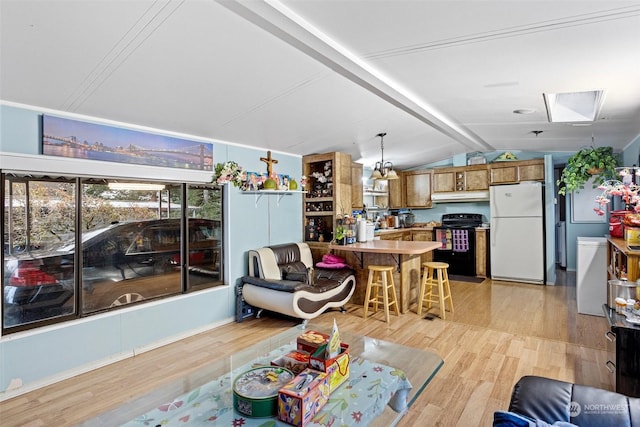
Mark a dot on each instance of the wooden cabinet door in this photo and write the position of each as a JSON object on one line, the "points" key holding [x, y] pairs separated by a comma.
{"points": [[357, 196], [417, 187], [444, 181], [533, 172], [395, 187], [477, 180], [507, 174], [392, 235]]}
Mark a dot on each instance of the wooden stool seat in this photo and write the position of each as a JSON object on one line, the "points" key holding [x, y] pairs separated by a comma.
{"points": [[435, 275], [381, 289]]}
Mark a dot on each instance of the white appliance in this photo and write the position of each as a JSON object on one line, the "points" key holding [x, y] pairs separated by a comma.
{"points": [[517, 232], [591, 275]]}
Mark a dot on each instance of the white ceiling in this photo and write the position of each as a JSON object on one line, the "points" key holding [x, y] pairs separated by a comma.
{"points": [[440, 77]]}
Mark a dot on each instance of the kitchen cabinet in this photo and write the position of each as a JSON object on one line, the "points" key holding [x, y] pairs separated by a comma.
{"points": [[463, 178], [357, 196], [395, 235], [445, 181], [395, 187], [482, 252], [513, 172], [328, 194], [417, 189]]}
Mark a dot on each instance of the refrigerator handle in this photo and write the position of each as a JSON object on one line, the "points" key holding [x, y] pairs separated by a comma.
{"points": [[493, 232]]}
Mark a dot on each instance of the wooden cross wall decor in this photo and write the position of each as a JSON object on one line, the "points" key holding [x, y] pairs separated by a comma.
{"points": [[269, 161]]}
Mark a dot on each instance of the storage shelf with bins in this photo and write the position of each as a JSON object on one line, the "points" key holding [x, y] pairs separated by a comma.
{"points": [[328, 194]]}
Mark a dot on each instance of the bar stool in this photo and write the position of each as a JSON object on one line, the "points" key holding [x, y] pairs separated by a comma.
{"points": [[435, 275], [380, 286]]}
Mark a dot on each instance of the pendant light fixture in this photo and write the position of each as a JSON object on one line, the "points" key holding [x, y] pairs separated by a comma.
{"points": [[382, 169]]}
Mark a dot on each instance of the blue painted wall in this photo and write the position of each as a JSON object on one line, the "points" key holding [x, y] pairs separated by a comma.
{"points": [[84, 344]]}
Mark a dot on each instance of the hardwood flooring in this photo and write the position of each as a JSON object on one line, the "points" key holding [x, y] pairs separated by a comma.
{"points": [[499, 332]]}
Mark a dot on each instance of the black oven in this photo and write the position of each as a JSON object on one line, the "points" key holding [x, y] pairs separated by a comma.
{"points": [[457, 236]]}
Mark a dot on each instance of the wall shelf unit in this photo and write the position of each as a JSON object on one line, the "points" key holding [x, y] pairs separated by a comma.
{"points": [[279, 193], [328, 196]]}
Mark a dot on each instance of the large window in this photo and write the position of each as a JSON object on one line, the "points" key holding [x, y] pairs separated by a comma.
{"points": [[138, 241]]}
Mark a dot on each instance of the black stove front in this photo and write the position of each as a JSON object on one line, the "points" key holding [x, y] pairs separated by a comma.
{"points": [[457, 236]]}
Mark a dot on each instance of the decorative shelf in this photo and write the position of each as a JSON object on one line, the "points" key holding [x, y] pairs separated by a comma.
{"points": [[280, 193]]}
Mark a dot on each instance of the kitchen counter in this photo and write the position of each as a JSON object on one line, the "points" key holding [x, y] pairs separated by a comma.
{"points": [[405, 254]]}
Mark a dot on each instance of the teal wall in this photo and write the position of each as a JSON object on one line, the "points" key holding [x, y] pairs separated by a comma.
{"points": [[34, 358]]}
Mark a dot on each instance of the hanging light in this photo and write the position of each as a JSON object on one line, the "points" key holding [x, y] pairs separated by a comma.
{"points": [[382, 169]]}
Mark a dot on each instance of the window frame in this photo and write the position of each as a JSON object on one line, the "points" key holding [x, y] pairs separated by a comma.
{"points": [[79, 180]]}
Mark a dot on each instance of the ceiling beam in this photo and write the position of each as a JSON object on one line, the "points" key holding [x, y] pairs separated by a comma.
{"points": [[273, 17]]}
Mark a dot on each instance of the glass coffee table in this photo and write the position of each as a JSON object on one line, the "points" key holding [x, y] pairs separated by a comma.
{"points": [[385, 380]]}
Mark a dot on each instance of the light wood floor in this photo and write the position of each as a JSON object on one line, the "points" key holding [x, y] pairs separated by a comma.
{"points": [[499, 332]]}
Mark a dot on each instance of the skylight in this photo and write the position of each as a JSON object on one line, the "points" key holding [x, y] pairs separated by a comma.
{"points": [[574, 106]]}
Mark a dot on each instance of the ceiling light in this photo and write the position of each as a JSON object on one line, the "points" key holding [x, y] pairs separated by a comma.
{"points": [[382, 169], [573, 106], [135, 186]]}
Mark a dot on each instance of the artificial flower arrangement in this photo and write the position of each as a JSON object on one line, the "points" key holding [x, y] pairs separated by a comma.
{"points": [[624, 187], [230, 172]]}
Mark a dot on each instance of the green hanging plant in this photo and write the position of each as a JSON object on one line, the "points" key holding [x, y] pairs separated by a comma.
{"points": [[598, 162]]}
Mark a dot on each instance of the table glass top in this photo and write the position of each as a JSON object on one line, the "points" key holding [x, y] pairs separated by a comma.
{"points": [[418, 365]]}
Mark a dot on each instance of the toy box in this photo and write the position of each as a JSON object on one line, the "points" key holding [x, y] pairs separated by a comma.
{"points": [[301, 399], [311, 340]]}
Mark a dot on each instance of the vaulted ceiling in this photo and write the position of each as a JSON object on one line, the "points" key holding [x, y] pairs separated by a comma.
{"points": [[440, 77]]}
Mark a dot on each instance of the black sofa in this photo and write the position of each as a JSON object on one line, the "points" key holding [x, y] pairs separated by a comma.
{"points": [[548, 401]]}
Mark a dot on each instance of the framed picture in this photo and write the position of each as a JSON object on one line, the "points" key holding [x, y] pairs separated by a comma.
{"points": [[254, 181], [83, 140]]}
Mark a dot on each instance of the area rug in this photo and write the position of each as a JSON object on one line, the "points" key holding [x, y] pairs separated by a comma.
{"points": [[468, 279]]}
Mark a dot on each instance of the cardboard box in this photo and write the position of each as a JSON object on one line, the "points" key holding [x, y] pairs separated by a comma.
{"points": [[296, 361], [338, 371], [301, 399], [311, 340], [318, 362]]}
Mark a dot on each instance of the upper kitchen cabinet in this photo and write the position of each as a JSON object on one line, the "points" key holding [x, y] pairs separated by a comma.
{"points": [[328, 193], [417, 189], [396, 191], [513, 172], [357, 199], [464, 178]]}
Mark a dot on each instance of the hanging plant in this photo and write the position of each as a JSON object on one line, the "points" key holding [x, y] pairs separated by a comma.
{"points": [[598, 162]]}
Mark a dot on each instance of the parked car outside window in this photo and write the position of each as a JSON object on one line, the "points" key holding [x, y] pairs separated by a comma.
{"points": [[122, 264]]}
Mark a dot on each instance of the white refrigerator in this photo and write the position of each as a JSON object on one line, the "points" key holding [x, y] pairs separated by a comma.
{"points": [[517, 233]]}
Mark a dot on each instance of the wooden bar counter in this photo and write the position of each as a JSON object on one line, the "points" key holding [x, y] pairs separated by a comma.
{"points": [[404, 254]]}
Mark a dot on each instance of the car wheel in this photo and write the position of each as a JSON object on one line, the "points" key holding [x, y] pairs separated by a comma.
{"points": [[127, 298]]}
